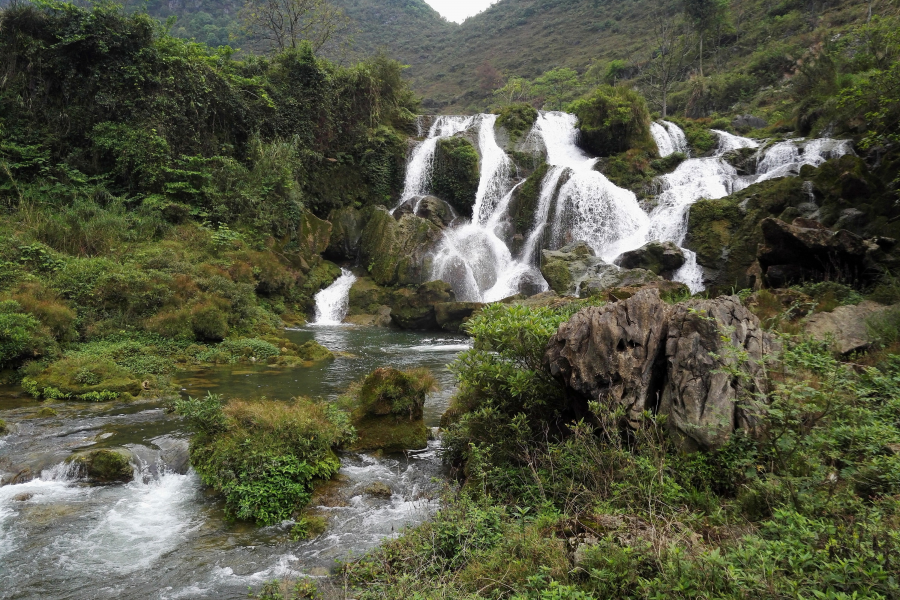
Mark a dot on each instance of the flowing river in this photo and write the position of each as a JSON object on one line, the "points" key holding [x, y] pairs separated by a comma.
{"points": [[163, 535]]}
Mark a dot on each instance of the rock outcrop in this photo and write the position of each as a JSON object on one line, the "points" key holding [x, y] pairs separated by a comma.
{"points": [[645, 355], [846, 326], [430, 208], [346, 230], [396, 251], [574, 270], [389, 412], [660, 258]]}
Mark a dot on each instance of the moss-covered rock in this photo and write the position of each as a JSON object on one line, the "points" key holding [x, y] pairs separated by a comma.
{"points": [[456, 175], [415, 309], [346, 230], [313, 234], [525, 200], [517, 119], [104, 466], [396, 252], [83, 378], [317, 278], [451, 316], [614, 119], [660, 258], [4, 428], [314, 351], [389, 411]]}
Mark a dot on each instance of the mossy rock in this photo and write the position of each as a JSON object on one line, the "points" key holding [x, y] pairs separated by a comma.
{"points": [[4, 428], [415, 309], [456, 174], [314, 351], [366, 297], [83, 378], [395, 252], [45, 412], [318, 278], [525, 200], [346, 230], [313, 234], [517, 119], [104, 466], [614, 119], [389, 411]]}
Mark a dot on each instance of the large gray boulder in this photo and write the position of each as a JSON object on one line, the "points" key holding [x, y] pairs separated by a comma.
{"points": [[614, 353], [714, 354], [846, 327], [698, 362]]}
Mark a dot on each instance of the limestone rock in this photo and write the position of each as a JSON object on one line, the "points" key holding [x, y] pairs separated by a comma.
{"points": [[748, 122], [451, 316], [314, 234], [430, 208], [798, 251], [704, 403], [346, 231], [614, 353], [389, 413], [846, 325], [379, 489], [104, 466], [575, 271], [381, 318], [660, 258], [397, 252], [416, 310]]}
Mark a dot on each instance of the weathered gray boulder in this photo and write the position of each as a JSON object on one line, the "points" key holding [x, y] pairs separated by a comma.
{"points": [[747, 122], [846, 326], [430, 208], [660, 258], [614, 353], [574, 270], [703, 398], [643, 354]]}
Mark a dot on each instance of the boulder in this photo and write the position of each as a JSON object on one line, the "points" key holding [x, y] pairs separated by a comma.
{"points": [[455, 174], [574, 270], [389, 412], [451, 316], [705, 341], [313, 235], [104, 466], [802, 252], [430, 208], [614, 353], [380, 318], [645, 355], [346, 231], [396, 252], [846, 326], [416, 309], [660, 258]]}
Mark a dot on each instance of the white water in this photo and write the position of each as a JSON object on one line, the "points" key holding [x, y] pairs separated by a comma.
{"points": [[332, 303], [785, 158], [421, 162]]}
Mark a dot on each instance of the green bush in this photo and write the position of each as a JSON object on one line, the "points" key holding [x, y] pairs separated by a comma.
{"points": [[21, 335], [613, 119], [265, 456], [83, 377], [517, 119]]}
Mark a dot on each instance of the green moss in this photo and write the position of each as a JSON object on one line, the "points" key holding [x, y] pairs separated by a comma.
{"points": [[526, 198], [104, 466], [85, 378], [517, 119], [456, 175], [393, 251], [45, 412], [390, 434], [313, 351], [614, 119], [3, 427], [557, 274]]}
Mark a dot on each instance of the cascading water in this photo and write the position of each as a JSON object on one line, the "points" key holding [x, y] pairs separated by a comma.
{"points": [[421, 163], [785, 158], [332, 302]]}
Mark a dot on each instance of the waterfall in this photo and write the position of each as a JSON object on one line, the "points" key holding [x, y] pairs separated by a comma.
{"points": [[663, 140], [785, 158], [421, 162], [332, 302]]}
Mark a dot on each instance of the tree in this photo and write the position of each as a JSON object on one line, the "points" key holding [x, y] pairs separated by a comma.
{"points": [[670, 59], [285, 23], [705, 15], [489, 78], [517, 89], [556, 86]]}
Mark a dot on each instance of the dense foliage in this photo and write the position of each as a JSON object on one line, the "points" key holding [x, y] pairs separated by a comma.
{"points": [[265, 456], [613, 119], [809, 508]]}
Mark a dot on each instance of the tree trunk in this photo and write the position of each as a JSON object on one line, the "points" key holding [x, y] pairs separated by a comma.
{"points": [[701, 55]]}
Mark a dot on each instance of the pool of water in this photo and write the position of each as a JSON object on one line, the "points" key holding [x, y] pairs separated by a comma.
{"points": [[163, 535]]}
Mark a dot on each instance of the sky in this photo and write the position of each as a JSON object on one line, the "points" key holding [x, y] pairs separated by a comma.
{"points": [[458, 10]]}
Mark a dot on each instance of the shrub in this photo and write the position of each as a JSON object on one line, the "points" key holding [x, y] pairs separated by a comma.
{"points": [[83, 377], [517, 119], [21, 335], [265, 456], [613, 119], [209, 321]]}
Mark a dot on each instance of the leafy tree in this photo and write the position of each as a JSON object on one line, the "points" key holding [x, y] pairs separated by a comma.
{"points": [[285, 23], [516, 90], [670, 58], [705, 15], [556, 86]]}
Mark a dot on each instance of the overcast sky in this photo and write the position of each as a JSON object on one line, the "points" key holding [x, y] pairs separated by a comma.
{"points": [[458, 10]]}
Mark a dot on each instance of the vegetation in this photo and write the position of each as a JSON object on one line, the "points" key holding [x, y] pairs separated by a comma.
{"points": [[265, 456], [571, 508], [157, 192], [614, 119], [456, 173]]}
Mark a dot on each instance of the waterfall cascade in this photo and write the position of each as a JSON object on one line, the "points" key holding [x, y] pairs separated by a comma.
{"points": [[577, 202], [333, 301]]}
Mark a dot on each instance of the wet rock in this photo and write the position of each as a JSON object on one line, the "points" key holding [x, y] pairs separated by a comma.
{"points": [[614, 353], [381, 318], [346, 231], [748, 122], [389, 412], [455, 174], [643, 354], [174, 452], [396, 252], [379, 490], [660, 258], [846, 326], [574, 270], [851, 218], [23, 497], [704, 402], [313, 235], [85, 378], [104, 466], [314, 351], [416, 309], [451, 316]]}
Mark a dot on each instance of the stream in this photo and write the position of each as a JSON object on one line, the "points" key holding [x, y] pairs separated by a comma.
{"points": [[163, 535]]}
